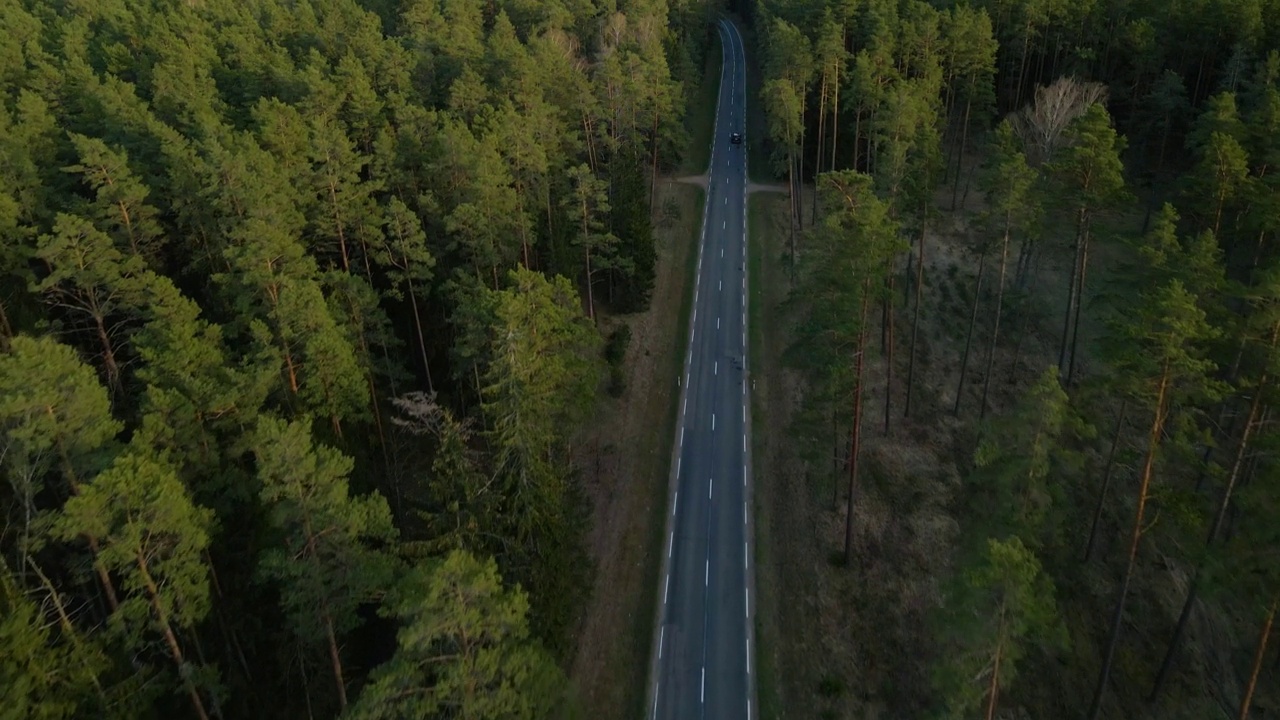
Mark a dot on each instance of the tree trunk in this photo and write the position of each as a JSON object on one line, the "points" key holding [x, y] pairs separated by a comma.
{"points": [[336, 660], [108, 353], [1022, 66], [855, 434], [1023, 266], [792, 199], [1258, 655], [915, 323], [995, 329], [964, 139], [800, 173], [1179, 629], [175, 650], [835, 123], [1075, 325], [817, 156], [888, 362], [289, 365], [591, 301], [1135, 537], [69, 632], [422, 342], [993, 691], [588, 133], [653, 175], [1071, 297], [6, 330], [337, 223], [968, 338], [857, 138], [1106, 483]]}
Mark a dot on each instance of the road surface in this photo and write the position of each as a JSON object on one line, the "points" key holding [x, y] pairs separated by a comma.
{"points": [[702, 664]]}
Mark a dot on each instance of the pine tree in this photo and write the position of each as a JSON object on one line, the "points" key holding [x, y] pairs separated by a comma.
{"points": [[1156, 348], [43, 678], [589, 204], [325, 557], [154, 538], [999, 608], [463, 650], [407, 260], [852, 249], [54, 414], [92, 285], [120, 200], [1090, 173], [1008, 183], [543, 375]]}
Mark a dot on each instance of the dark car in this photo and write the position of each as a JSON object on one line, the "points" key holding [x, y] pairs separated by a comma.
{"points": [[735, 138]]}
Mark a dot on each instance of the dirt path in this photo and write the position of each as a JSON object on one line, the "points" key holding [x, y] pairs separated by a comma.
{"points": [[626, 460]]}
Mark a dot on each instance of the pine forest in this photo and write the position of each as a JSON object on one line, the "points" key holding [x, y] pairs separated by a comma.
{"points": [[1028, 301], [298, 321], [316, 319]]}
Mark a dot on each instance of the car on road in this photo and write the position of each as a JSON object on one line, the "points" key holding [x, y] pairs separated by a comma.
{"points": [[735, 138]]}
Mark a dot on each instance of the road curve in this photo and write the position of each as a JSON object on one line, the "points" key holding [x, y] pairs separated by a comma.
{"points": [[702, 664]]}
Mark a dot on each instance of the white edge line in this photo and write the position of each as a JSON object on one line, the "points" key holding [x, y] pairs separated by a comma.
{"points": [[730, 35]]}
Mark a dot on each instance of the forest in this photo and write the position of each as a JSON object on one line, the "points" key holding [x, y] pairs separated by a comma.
{"points": [[299, 316], [1033, 254]]}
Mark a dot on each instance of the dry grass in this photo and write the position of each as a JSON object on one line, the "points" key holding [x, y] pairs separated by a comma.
{"points": [[624, 465]]}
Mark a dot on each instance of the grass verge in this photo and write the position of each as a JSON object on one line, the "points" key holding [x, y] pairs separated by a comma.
{"points": [[625, 465], [700, 119], [765, 213]]}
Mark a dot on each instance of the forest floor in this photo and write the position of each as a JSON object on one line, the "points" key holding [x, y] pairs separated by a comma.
{"points": [[858, 642], [839, 642], [628, 456]]}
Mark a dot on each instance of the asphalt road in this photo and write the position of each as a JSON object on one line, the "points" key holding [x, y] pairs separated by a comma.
{"points": [[702, 665]]}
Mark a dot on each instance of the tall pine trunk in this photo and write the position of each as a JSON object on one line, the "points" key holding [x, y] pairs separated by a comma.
{"points": [[1071, 298], [1075, 325], [171, 640], [855, 434], [915, 322], [1106, 483], [653, 174], [995, 329], [888, 352], [800, 172], [817, 155], [964, 140], [422, 342], [1250, 423], [835, 125], [335, 660], [6, 330], [793, 200], [1135, 539], [993, 692], [73, 484], [1258, 656], [108, 353]]}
